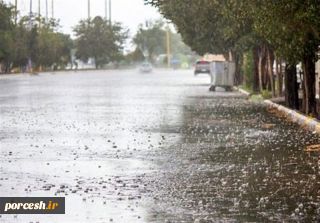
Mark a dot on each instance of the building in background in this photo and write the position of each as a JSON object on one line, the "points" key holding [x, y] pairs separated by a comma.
{"points": [[214, 57]]}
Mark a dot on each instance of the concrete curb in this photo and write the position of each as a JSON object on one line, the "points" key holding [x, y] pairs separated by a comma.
{"points": [[242, 91], [296, 117]]}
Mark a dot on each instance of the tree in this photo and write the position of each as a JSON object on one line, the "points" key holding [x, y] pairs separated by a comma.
{"points": [[135, 56], [178, 46], [150, 39], [292, 27], [19, 46], [286, 29], [6, 27], [210, 26], [98, 39], [54, 48], [31, 38]]}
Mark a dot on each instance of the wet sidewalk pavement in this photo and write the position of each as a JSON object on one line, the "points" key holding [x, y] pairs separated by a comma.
{"points": [[129, 147]]}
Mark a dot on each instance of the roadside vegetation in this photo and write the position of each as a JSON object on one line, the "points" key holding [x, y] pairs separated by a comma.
{"points": [[151, 41], [34, 43], [256, 35]]}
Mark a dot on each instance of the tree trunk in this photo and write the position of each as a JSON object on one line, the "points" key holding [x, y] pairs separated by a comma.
{"points": [[291, 87], [238, 77], [304, 95], [265, 82], [256, 69], [263, 68], [309, 81], [7, 68], [96, 63], [260, 68], [279, 77], [270, 60]]}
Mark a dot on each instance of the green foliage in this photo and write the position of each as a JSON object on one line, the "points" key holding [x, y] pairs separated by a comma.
{"points": [[150, 39], [178, 47], [32, 38], [6, 27], [287, 29], [208, 26], [291, 27], [53, 48], [135, 56], [19, 47], [257, 98], [98, 39], [266, 94]]}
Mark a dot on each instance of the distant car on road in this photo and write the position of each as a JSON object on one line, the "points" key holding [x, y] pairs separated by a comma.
{"points": [[202, 67], [175, 63], [145, 67]]}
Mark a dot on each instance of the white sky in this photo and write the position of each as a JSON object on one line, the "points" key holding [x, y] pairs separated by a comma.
{"points": [[130, 13]]}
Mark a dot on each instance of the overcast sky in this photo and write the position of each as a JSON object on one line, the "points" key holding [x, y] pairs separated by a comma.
{"points": [[129, 12]]}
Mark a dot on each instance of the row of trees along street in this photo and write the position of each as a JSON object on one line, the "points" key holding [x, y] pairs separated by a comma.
{"points": [[35, 43], [256, 34], [31, 38]]}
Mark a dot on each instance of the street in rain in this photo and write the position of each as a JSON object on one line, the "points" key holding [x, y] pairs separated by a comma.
{"points": [[159, 111], [124, 146]]}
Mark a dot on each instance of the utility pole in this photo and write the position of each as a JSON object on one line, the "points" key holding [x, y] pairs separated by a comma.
{"points": [[168, 47], [52, 6], [15, 11], [30, 15], [39, 8], [89, 9], [30, 8], [110, 10], [39, 13], [106, 9], [47, 10]]}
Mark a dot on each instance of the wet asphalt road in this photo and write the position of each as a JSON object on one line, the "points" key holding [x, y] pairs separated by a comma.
{"points": [[128, 147]]}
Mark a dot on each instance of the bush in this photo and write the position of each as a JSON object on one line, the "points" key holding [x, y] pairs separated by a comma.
{"points": [[266, 94]]}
